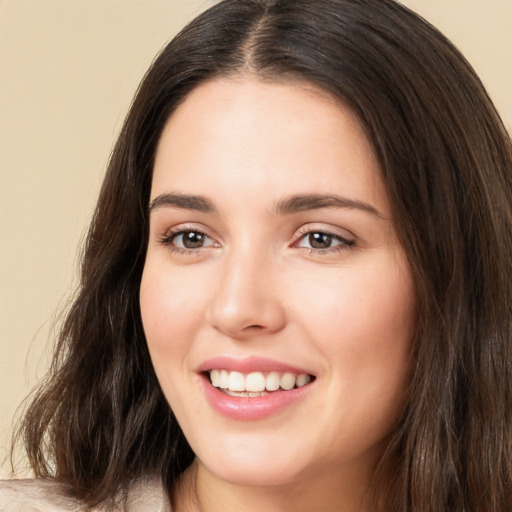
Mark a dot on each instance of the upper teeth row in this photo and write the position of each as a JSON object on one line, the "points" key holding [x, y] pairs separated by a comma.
{"points": [[257, 381]]}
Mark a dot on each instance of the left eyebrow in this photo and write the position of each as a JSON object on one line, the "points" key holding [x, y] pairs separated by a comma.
{"points": [[300, 203]]}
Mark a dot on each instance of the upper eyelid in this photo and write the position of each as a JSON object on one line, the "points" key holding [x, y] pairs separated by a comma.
{"points": [[299, 233], [184, 227], [332, 231]]}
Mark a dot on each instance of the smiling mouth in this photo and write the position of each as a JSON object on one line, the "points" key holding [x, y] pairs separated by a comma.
{"points": [[256, 384]]}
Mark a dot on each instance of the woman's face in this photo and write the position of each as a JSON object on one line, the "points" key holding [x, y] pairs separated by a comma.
{"points": [[273, 264]]}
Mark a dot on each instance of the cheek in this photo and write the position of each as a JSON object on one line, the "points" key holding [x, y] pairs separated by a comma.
{"points": [[363, 322], [169, 312], [169, 303], [367, 304]]}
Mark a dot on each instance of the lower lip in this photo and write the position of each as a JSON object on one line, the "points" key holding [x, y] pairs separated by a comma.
{"points": [[251, 408]]}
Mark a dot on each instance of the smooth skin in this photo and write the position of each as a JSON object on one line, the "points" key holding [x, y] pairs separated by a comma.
{"points": [[238, 269]]}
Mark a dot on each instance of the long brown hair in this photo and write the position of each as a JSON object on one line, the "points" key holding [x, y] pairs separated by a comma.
{"points": [[100, 419]]}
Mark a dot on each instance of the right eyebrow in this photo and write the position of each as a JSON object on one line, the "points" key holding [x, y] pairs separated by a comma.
{"points": [[184, 201]]}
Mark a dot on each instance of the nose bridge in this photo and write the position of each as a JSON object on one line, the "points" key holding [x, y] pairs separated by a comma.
{"points": [[246, 300]]}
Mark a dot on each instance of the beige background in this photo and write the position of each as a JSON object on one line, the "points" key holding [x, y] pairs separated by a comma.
{"points": [[68, 70]]}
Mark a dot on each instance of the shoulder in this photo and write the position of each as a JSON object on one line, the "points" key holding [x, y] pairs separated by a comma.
{"points": [[147, 495], [35, 496], [38, 495]]}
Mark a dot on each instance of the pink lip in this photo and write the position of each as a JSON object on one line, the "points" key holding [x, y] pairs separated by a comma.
{"points": [[245, 408], [251, 409], [248, 365]]}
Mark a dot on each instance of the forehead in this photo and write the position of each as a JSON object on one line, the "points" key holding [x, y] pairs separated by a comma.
{"points": [[244, 134]]}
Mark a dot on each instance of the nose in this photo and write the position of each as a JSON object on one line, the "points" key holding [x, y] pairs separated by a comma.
{"points": [[247, 301]]}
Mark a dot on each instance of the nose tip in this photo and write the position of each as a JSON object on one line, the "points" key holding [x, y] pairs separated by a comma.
{"points": [[240, 324], [246, 304]]}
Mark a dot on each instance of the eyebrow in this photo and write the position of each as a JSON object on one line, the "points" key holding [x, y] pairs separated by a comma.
{"points": [[304, 202], [287, 206], [184, 201]]}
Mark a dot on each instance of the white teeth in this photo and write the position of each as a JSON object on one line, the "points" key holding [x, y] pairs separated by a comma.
{"points": [[302, 380], [256, 383], [236, 381], [288, 381], [273, 381], [244, 393], [224, 379], [215, 378]]}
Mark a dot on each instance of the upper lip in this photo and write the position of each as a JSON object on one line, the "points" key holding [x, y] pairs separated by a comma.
{"points": [[249, 365]]}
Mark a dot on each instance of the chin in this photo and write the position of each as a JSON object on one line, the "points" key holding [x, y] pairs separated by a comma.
{"points": [[253, 475], [260, 466]]}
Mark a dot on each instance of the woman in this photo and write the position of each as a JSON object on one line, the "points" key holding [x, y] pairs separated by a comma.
{"points": [[295, 292]]}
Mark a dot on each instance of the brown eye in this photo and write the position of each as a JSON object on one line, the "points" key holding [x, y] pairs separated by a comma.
{"points": [[192, 239], [320, 240], [323, 242], [189, 240]]}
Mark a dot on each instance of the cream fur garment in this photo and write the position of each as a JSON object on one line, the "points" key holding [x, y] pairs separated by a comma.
{"points": [[47, 496]]}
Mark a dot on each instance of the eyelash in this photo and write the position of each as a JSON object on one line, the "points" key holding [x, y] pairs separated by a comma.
{"points": [[168, 239], [345, 243]]}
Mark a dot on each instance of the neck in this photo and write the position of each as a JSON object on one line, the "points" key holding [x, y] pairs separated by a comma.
{"points": [[199, 490]]}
